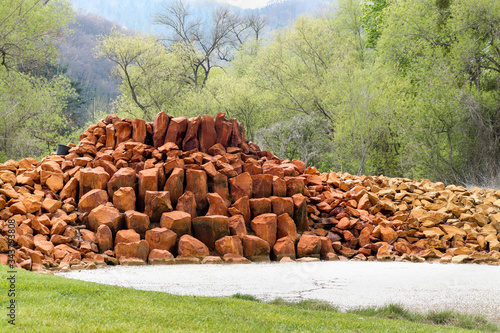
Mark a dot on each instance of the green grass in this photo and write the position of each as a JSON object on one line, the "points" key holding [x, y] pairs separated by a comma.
{"points": [[55, 304]]}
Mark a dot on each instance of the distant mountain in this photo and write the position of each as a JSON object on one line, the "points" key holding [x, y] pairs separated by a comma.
{"points": [[138, 15]]}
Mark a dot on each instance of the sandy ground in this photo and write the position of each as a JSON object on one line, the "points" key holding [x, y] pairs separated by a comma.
{"points": [[417, 286]]}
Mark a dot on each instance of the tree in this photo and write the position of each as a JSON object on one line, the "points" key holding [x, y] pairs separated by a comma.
{"points": [[207, 44], [32, 118], [152, 76], [29, 30]]}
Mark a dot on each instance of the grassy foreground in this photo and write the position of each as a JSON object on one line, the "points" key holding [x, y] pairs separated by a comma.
{"points": [[55, 304]]}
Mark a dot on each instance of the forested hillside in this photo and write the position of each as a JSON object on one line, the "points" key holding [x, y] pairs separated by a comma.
{"points": [[138, 15], [77, 50], [408, 88]]}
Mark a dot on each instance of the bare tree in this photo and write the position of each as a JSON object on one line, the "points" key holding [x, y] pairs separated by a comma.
{"points": [[207, 44]]}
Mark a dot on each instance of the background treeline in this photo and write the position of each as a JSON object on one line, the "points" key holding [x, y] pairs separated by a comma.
{"points": [[403, 88]]}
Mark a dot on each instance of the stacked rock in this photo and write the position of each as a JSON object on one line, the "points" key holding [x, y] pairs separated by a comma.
{"points": [[180, 190]]}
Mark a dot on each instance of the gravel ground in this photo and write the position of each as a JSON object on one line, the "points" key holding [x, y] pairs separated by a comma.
{"points": [[469, 288]]}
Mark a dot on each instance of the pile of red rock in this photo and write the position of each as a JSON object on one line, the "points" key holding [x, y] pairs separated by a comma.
{"points": [[181, 190]]}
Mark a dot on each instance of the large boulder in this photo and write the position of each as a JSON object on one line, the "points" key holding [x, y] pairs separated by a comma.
{"points": [[229, 244], [139, 249], [161, 238], [255, 248], [265, 227], [284, 247], [177, 221], [157, 203], [190, 246], [309, 246], [106, 215], [92, 199], [209, 229], [136, 221]]}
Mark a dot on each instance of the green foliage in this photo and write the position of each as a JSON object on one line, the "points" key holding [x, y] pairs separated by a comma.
{"points": [[33, 98], [373, 20], [152, 76]]}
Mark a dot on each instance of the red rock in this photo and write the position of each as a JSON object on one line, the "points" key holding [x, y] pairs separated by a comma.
{"points": [[104, 238], [136, 221], [175, 185], [125, 177], [160, 257], [364, 236], [294, 185], [39, 227], [388, 235], [59, 239], [177, 130], [70, 190], [123, 131], [46, 247], [160, 125], [148, 181], [177, 221], [265, 226], [243, 207], [18, 208], [300, 212], [224, 129], [255, 248], [50, 205], [284, 247], [157, 203], [58, 227], [326, 246], [88, 235], [24, 241], [127, 236], [188, 245], [241, 186], [161, 238], [92, 199], [207, 134], [260, 206], [110, 136], [237, 135], [231, 258], [208, 229], [187, 203], [108, 166], [196, 182], [218, 184], [262, 186], [282, 205], [139, 131], [286, 227], [237, 226], [55, 182], [217, 149], [301, 166], [139, 249], [309, 246], [217, 205], [109, 216], [229, 244], [124, 199], [191, 138], [92, 179]]}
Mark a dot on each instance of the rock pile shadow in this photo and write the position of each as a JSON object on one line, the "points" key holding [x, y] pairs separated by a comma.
{"points": [[180, 190]]}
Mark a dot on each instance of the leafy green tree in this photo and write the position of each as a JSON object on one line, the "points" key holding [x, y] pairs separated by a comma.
{"points": [[32, 118], [152, 76]]}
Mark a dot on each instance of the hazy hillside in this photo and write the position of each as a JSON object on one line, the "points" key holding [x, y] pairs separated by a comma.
{"points": [[78, 54], [137, 15]]}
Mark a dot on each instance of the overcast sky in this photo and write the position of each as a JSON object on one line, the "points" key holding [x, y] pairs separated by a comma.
{"points": [[246, 3]]}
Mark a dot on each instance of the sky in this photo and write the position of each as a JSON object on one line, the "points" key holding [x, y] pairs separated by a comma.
{"points": [[246, 3]]}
